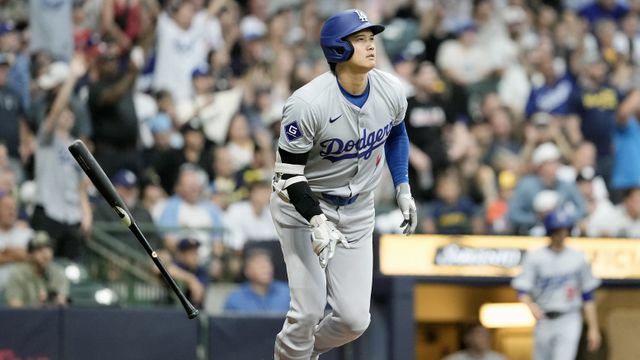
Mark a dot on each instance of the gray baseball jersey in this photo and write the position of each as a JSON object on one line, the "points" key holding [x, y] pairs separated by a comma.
{"points": [[346, 157], [556, 281], [345, 143]]}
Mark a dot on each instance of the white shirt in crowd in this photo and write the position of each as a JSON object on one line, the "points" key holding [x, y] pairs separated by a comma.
{"points": [[180, 51], [243, 224], [613, 222], [16, 238]]}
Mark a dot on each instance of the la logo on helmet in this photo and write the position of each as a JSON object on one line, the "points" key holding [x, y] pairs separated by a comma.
{"points": [[362, 16]]}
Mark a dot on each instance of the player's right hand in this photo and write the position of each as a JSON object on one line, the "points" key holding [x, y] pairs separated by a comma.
{"points": [[324, 238]]}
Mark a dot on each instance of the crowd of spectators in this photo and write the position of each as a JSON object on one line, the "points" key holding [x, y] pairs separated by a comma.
{"points": [[516, 107]]}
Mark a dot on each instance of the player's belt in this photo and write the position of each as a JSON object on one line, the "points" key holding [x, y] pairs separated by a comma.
{"points": [[339, 200], [555, 314]]}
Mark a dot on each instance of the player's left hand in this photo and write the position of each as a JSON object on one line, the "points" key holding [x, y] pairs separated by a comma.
{"points": [[408, 207], [593, 339]]}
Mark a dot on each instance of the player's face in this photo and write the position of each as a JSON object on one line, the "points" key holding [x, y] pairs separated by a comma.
{"points": [[558, 236], [364, 50]]}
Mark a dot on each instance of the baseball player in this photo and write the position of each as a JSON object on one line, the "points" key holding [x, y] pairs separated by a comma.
{"points": [[336, 133], [556, 283]]}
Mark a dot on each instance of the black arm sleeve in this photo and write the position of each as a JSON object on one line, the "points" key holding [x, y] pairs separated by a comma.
{"points": [[300, 194]]}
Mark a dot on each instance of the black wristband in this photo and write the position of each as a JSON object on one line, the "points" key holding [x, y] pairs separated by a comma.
{"points": [[303, 200]]}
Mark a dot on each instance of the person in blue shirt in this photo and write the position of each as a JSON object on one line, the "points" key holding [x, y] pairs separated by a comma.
{"points": [[600, 9], [626, 139], [552, 96], [452, 212], [260, 293], [595, 102], [546, 159]]}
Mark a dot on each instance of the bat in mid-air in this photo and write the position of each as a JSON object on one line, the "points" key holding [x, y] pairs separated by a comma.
{"points": [[100, 180]]}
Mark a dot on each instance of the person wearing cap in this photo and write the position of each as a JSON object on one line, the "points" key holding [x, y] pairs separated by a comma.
{"points": [[260, 294], [187, 269], [557, 285], [62, 201], [111, 102], [38, 282], [477, 345], [545, 159]]}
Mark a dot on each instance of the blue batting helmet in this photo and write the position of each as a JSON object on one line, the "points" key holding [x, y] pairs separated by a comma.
{"points": [[558, 219], [336, 49]]}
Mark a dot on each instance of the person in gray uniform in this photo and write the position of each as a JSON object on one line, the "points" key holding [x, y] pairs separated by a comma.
{"points": [[556, 283], [336, 133]]}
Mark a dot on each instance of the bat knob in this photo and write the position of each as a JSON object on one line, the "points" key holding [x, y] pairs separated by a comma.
{"points": [[193, 313]]}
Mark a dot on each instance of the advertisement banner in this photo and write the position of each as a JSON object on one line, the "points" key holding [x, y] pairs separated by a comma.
{"points": [[497, 256]]}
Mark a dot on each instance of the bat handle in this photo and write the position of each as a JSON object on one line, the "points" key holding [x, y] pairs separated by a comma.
{"points": [[191, 310]]}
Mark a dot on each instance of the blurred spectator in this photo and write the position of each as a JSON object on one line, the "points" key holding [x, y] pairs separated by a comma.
{"points": [[477, 346], [502, 151], [545, 159], [544, 128], [38, 282], [600, 9], [623, 221], [544, 202], [429, 112], [14, 10], [250, 220], [551, 85], [112, 109], [466, 62], [496, 213], [584, 161], [11, 111], [121, 19], [588, 184], [628, 39], [50, 28], [224, 186], [185, 36], [214, 108], [14, 237], [594, 101], [126, 185], [452, 212], [187, 259], [240, 142], [10, 165], [260, 293], [189, 211], [63, 208], [194, 152], [12, 45], [49, 85], [626, 142]]}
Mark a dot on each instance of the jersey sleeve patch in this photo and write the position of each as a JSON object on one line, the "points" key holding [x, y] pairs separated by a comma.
{"points": [[292, 131]]}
